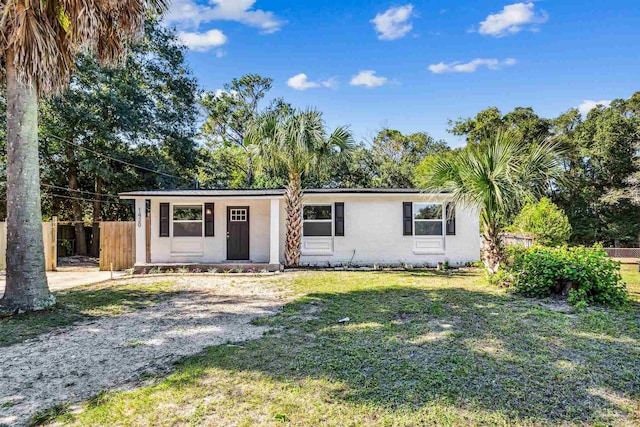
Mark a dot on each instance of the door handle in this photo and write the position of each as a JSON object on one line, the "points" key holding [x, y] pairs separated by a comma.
{"points": [[227, 234]]}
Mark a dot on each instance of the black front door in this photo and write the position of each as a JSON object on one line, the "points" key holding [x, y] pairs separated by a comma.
{"points": [[238, 233]]}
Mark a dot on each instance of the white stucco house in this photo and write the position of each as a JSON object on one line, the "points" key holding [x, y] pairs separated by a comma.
{"points": [[355, 226]]}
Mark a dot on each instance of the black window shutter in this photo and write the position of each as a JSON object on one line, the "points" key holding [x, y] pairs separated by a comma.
{"points": [[339, 218], [164, 219], [451, 219], [208, 220], [407, 218]]}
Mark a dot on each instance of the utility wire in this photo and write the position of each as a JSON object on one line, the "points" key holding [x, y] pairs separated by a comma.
{"points": [[51, 195], [81, 191], [117, 160]]}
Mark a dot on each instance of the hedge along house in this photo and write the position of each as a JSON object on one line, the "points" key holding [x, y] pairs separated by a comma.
{"points": [[246, 228]]}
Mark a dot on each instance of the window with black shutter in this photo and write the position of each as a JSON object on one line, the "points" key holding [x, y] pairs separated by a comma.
{"points": [[407, 219], [164, 219], [209, 230], [451, 219], [339, 219]]}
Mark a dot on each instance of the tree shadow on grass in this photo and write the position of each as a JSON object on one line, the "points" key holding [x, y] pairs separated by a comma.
{"points": [[404, 348], [81, 304]]}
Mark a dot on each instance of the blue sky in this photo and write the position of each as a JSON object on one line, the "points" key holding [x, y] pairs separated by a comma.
{"points": [[414, 65]]}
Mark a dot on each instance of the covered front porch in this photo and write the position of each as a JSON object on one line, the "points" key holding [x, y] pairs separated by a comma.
{"points": [[205, 232]]}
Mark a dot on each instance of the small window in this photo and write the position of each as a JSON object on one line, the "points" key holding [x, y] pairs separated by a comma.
{"points": [[187, 221], [238, 215], [427, 219], [317, 220]]}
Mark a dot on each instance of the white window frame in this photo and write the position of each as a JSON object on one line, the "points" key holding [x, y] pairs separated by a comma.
{"points": [[330, 220], [187, 205], [441, 220]]}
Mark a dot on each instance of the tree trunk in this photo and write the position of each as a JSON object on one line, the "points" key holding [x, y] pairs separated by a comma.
{"points": [[76, 208], [492, 250], [293, 203], [249, 170], [26, 287], [97, 217]]}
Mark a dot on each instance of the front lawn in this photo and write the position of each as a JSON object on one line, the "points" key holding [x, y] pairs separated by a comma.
{"points": [[420, 348]]}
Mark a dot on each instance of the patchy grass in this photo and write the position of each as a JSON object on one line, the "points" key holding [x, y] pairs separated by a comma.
{"points": [[82, 303], [421, 348]]}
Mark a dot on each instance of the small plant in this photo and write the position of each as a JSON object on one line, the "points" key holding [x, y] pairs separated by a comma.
{"points": [[66, 246], [169, 271], [183, 270], [446, 265], [239, 270], [155, 270], [212, 270], [229, 271], [196, 270], [264, 270]]}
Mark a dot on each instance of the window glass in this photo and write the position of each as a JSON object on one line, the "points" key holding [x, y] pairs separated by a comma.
{"points": [[428, 228], [427, 211], [311, 228], [187, 221], [187, 213], [317, 220], [187, 229], [317, 212]]}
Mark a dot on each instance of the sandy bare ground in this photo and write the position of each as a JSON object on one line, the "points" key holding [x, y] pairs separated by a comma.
{"points": [[75, 363]]}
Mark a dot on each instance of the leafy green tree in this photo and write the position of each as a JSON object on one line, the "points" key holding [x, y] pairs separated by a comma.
{"points": [[229, 114], [496, 176], [599, 171], [395, 157], [296, 143], [38, 44], [545, 221], [523, 122], [143, 113]]}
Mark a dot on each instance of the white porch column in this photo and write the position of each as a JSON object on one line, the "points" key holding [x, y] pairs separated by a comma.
{"points": [[141, 232], [274, 239]]}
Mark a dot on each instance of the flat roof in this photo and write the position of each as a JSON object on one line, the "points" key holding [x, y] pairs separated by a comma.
{"points": [[274, 192]]}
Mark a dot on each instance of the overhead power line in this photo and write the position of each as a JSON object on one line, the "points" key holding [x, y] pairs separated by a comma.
{"points": [[81, 191], [51, 195], [133, 165]]}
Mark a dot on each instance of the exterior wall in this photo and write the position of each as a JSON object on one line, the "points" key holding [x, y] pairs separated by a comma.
{"points": [[374, 234], [210, 249]]}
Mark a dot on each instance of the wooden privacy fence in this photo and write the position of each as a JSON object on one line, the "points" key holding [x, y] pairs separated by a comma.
{"points": [[50, 238], [117, 245]]}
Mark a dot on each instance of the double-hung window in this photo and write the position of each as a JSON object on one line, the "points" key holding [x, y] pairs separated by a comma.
{"points": [[317, 220], [187, 221], [428, 219]]}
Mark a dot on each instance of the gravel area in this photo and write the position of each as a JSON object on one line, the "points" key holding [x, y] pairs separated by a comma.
{"points": [[75, 363]]}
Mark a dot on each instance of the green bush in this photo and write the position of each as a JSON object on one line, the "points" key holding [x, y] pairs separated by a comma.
{"points": [[547, 222], [582, 275]]}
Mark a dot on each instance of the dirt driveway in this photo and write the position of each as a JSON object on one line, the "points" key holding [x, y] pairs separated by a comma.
{"points": [[75, 363], [70, 278]]}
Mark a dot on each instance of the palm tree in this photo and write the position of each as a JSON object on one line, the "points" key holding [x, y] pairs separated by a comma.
{"points": [[38, 43], [498, 177], [296, 143]]}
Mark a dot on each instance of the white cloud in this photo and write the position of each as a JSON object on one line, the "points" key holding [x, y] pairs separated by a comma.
{"points": [[471, 66], [588, 105], [394, 22], [190, 14], [368, 78], [202, 42], [511, 20], [301, 82]]}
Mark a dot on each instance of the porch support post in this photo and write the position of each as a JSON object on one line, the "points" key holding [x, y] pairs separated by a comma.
{"points": [[141, 233], [274, 240]]}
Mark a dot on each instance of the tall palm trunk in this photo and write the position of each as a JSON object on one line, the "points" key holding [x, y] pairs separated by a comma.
{"points": [[293, 203], [76, 208], [492, 250], [26, 287]]}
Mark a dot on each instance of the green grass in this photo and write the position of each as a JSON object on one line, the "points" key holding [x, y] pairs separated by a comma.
{"points": [[421, 348], [83, 303]]}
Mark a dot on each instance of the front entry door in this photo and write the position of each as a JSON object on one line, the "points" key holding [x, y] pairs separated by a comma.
{"points": [[238, 233]]}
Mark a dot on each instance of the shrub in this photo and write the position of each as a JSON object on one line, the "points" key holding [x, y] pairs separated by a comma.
{"points": [[582, 275], [547, 222]]}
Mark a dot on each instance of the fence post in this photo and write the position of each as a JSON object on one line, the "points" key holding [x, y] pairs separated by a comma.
{"points": [[54, 243]]}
